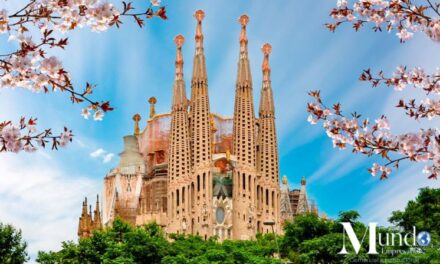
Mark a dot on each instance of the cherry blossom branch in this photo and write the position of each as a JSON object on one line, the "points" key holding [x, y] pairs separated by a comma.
{"points": [[31, 68], [403, 16], [417, 78], [436, 9], [24, 137], [376, 140]]}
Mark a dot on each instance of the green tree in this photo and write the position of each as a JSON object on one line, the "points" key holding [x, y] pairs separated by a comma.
{"points": [[12, 245], [123, 243], [348, 216], [423, 212], [302, 228]]}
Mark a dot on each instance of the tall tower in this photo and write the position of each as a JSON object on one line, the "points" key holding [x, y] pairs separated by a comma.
{"points": [[268, 149], [303, 202], [85, 226], [179, 166], [97, 221], [244, 144], [286, 213], [201, 138]]}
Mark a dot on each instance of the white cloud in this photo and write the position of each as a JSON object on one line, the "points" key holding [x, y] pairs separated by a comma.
{"points": [[97, 153], [336, 166], [41, 199], [101, 153], [108, 157]]}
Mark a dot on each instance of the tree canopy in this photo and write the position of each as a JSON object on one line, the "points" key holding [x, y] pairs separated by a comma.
{"points": [[12, 245], [306, 239]]}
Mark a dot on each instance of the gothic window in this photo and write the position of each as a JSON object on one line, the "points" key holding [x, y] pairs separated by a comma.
{"points": [[172, 205], [183, 195], [273, 199], [244, 182], [192, 194], [177, 197], [267, 197]]}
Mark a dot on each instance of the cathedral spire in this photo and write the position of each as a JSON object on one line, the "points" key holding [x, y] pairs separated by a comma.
{"points": [[244, 140], [285, 205], [136, 119], [268, 161], [200, 128], [85, 221], [97, 222], [267, 48], [200, 133], [199, 15], [244, 70], [244, 116], [84, 207], [266, 99], [244, 20], [179, 162], [152, 100], [179, 93], [199, 67]]}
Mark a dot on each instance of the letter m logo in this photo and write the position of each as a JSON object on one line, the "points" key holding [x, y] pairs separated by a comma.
{"points": [[348, 230]]}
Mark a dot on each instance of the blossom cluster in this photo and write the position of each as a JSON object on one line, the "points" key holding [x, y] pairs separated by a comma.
{"points": [[38, 27], [404, 16], [429, 107], [66, 15], [375, 138], [25, 137]]}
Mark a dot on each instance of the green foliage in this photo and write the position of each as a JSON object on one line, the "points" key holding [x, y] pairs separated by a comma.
{"points": [[119, 244], [304, 227], [348, 216], [423, 212], [307, 239], [148, 244], [12, 246]]}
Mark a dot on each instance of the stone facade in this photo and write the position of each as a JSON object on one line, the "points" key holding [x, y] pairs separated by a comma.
{"points": [[88, 221], [196, 172], [299, 201]]}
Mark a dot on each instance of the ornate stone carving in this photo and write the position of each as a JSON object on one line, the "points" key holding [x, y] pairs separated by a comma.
{"points": [[251, 217]]}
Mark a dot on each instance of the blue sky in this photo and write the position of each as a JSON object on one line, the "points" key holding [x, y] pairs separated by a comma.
{"points": [[42, 193]]}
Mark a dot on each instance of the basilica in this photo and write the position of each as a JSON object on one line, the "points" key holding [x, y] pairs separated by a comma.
{"points": [[196, 172]]}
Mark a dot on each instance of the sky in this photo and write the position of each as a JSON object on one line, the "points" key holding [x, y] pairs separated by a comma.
{"points": [[41, 193]]}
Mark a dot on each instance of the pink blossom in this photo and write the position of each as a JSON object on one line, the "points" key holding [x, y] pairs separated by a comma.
{"points": [[29, 148], [65, 138], [98, 115], [10, 134], [433, 30], [382, 123], [85, 113], [4, 19], [155, 2], [404, 35], [312, 120], [51, 66]]}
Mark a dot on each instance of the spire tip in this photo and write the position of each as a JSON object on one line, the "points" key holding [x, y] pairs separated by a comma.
{"points": [[266, 48], [179, 40], [244, 20], [136, 119], [199, 15]]}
